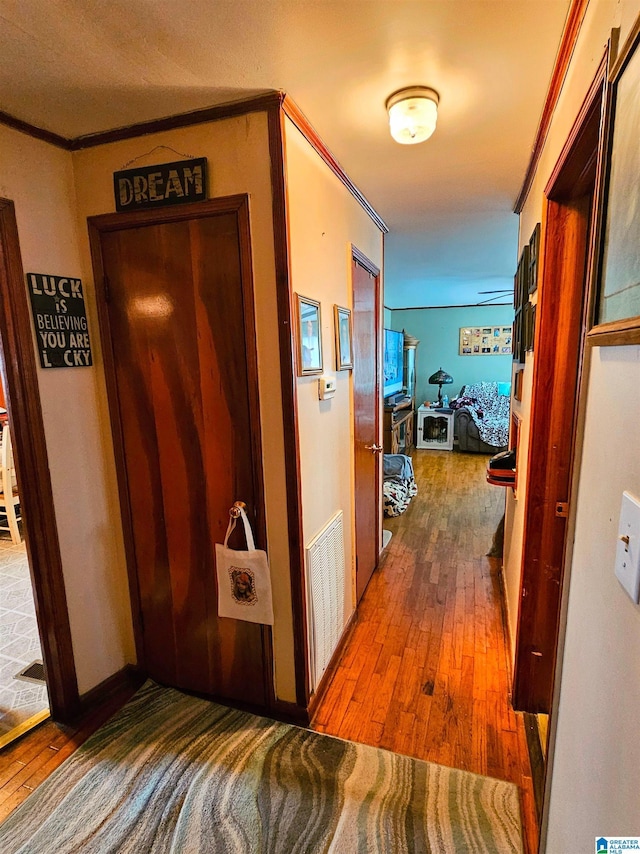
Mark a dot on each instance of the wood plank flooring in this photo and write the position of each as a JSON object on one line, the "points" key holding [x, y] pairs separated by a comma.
{"points": [[426, 671], [26, 763]]}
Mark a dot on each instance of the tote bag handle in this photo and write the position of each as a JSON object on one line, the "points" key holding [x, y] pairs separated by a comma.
{"points": [[239, 511]]}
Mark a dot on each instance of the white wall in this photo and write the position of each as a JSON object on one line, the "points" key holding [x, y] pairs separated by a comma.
{"points": [[239, 162], [324, 221], [39, 179], [595, 776]]}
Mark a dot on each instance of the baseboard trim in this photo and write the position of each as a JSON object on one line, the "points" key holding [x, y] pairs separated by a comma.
{"points": [[290, 713], [130, 678], [317, 697], [536, 759]]}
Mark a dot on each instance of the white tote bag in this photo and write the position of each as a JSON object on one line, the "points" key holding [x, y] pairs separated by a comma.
{"points": [[244, 581]]}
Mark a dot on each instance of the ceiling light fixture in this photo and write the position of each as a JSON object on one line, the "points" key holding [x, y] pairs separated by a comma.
{"points": [[413, 113]]}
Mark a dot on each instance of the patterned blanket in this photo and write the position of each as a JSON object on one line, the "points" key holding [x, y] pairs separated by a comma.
{"points": [[399, 485], [490, 412], [173, 774]]}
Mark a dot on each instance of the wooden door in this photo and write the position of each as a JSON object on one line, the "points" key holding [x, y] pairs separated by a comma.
{"points": [[180, 333], [561, 319], [366, 405]]}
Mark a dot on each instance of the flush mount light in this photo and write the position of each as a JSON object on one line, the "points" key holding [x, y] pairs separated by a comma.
{"points": [[413, 113]]}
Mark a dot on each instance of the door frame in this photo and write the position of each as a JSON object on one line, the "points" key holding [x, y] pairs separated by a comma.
{"points": [[97, 225], [360, 258], [569, 231], [20, 378]]}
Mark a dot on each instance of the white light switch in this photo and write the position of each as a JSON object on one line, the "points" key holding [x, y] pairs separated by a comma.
{"points": [[628, 547]]}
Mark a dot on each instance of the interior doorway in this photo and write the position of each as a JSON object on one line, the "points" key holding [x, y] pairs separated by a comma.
{"points": [[560, 340], [365, 278], [38, 526], [178, 333], [24, 701]]}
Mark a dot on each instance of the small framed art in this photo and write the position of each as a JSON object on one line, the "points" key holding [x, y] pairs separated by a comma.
{"points": [[344, 350], [617, 311], [309, 336]]}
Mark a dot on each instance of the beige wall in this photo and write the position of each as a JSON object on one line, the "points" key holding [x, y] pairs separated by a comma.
{"points": [[54, 193], [39, 179], [238, 154], [514, 510], [595, 772], [325, 220]]}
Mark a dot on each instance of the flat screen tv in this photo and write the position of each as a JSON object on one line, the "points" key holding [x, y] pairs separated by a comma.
{"points": [[392, 362]]}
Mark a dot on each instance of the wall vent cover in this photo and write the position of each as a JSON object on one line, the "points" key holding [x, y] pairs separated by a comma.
{"points": [[34, 672], [325, 595]]}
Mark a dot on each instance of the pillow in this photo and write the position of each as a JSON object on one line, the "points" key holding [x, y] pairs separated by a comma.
{"points": [[504, 389]]}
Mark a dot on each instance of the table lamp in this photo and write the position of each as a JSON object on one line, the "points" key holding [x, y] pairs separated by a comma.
{"points": [[440, 378]]}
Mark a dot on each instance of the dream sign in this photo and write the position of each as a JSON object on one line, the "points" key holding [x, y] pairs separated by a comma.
{"points": [[157, 186], [60, 320]]}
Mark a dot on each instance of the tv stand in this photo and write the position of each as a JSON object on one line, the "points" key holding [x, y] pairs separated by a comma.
{"points": [[398, 427], [396, 399]]}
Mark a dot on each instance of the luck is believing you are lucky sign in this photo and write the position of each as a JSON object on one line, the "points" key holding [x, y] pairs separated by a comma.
{"points": [[60, 320]]}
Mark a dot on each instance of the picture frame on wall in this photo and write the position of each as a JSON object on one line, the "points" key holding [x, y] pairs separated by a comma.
{"points": [[343, 333], [491, 340], [534, 251], [309, 336], [617, 304], [529, 326], [520, 299]]}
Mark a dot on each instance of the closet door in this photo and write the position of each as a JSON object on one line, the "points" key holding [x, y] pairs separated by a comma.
{"points": [[179, 324], [366, 404]]}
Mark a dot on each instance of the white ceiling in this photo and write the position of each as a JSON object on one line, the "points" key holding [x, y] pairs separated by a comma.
{"points": [[79, 66]]}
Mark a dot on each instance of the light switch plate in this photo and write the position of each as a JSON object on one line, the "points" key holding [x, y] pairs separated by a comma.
{"points": [[628, 546]]}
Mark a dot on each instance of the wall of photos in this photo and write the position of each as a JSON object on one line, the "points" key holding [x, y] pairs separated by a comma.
{"points": [[486, 341]]}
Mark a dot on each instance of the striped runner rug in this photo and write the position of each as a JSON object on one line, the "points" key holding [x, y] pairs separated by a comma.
{"points": [[173, 774]]}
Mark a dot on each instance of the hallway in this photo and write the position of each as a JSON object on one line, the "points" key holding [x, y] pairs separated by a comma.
{"points": [[426, 671]]}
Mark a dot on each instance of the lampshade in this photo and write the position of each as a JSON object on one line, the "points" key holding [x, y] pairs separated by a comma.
{"points": [[413, 113], [440, 378]]}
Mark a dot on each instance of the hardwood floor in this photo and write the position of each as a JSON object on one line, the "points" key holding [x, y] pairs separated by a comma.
{"points": [[26, 763], [426, 671]]}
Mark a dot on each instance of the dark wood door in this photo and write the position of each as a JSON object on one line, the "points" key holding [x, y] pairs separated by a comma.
{"points": [[185, 381], [559, 346], [366, 404]]}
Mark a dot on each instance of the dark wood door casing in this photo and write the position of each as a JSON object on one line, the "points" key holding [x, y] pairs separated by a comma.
{"points": [[20, 382], [568, 245], [366, 406], [559, 341], [183, 400]]}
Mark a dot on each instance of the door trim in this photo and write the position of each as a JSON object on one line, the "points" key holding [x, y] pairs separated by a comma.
{"points": [[574, 176], [98, 225], [289, 385], [361, 259], [20, 379]]}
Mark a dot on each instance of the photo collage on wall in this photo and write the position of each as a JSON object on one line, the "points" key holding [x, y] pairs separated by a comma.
{"points": [[486, 341]]}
